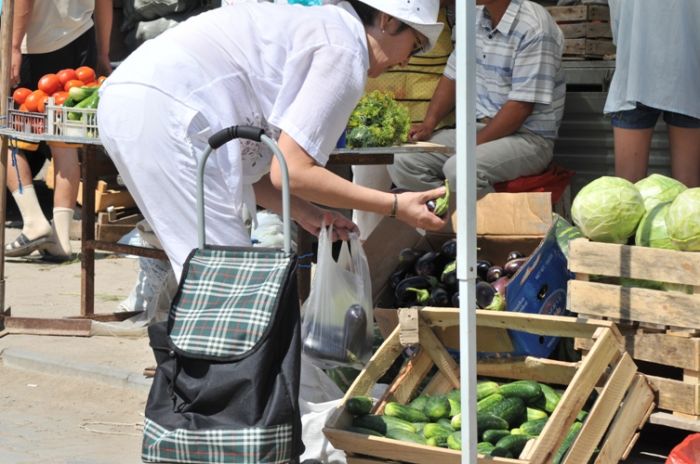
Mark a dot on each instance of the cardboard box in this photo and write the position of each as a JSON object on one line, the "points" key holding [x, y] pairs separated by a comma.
{"points": [[505, 222]]}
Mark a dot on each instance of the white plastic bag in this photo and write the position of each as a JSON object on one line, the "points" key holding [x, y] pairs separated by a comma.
{"points": [[338, 315]]}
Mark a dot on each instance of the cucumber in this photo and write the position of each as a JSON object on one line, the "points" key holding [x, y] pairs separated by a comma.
{"points": [[434, 430], [364, 431], [88, 102], [581, 416], [81, 93], [493, 435], [445, 422], [437, 407], [512, 410], [501, 453], [513, 443], [489, 422], [551, 398], [484, 405], [533, 427], [382, 423], [418, 402], [526, 390], [440, 440], [454, 441], [403, 435], [535, 414], [484, 448], [419, 426], [406, 413], [455, 395], [485, 388], [568, 441], [359, 405]]}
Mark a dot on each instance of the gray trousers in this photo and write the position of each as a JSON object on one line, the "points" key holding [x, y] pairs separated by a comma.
{"points": [[521, 154]]}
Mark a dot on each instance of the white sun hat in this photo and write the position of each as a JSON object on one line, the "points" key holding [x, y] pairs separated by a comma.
{"points": [[421, 15]]}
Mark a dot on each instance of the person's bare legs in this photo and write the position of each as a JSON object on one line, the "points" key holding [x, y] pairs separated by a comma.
{"points": [[685, 155], [35, 227], [632, 152], [67, 181]]}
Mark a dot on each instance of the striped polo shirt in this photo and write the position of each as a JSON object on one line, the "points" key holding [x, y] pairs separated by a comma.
{"points": [[519, 60]]}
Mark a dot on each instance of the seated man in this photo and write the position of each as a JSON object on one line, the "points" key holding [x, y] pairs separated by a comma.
{"points": [[519, 104]]}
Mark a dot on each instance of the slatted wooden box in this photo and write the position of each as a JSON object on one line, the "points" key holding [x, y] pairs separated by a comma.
{"points": [[586, 29], [660, 327], [624, 402]]}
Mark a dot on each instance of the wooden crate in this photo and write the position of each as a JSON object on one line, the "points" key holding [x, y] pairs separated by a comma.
{"points": [[574, 13], [589, 48], [625, 398], [586, 29], [660, 327]]}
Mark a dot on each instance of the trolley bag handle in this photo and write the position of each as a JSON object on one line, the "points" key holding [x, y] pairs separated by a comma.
{"points": [[258, 135]]}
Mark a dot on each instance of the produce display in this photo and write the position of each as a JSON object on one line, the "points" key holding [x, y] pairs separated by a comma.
{"points": [[378, 121], [68, 88], [429, 278], [657, 212], [508, 415]]}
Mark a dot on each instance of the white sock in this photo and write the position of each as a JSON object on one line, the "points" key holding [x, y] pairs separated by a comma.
{"points": [[34, 222], [62, 218]]}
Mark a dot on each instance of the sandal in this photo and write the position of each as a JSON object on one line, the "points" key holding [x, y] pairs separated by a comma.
{"points": [[51, 258], [22, 246]]}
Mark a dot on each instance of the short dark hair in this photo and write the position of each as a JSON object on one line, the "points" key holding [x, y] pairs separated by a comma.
{"points": [[366, 13]]}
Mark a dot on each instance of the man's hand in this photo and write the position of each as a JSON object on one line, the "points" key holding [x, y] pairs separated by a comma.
{"points": [[15, 67], [420, 131]]}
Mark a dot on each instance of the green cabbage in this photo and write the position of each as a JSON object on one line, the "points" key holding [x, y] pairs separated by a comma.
{"points": [[378, 121], [652, 231], [683, 220], [608, 209], [657, 189]]}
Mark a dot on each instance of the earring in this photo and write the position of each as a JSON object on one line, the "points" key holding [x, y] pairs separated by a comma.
{"points": [[383, 31]]}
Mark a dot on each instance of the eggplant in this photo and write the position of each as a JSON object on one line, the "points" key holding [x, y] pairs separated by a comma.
{"points": [[498, 303], [482, 268], [439, 297], [355, 332], [514, 255], [500, 284], [403, 297], [455, 299], [449, 249], [512, 266], [494, 273], [422, 295], [440, 205], [427, 265], [449, 275], [484, 294], [408, 258]]}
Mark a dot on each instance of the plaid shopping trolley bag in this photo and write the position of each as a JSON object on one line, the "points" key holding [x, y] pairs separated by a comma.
{"points": [[228, 358]]}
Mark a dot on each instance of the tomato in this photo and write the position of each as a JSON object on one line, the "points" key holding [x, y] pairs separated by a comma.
{"points": [[65, 75], [49, 84], [34, 99], [92, 84], [41, 106], [73, 83], [101, 79], [85, 73], [23, 107], [20, 94], [59, 98]]}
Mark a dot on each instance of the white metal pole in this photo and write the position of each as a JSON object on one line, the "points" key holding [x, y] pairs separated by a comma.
{"points": [[466, 219]]}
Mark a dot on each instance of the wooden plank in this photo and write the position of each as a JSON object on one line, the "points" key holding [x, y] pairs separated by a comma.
{"points": [[630, 418], [575, 46], [633, 304], [579, 13], [378, 364], [419, 368], [669, 420], [608, 259], [46, 326], [442, 359], [573, 30], [530, 368], [595, 30], [558, 326], [676, 395], [592, 368], [603, 411], [599, 47], [663, 349], [391, 449], [598, 13], [362, 460]]}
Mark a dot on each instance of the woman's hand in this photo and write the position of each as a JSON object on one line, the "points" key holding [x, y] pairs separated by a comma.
{"points": [[412, 209], [342, 226]]}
